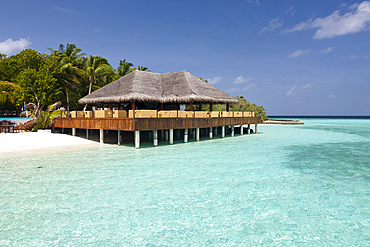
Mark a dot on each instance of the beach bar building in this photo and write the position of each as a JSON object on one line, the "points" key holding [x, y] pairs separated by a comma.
{"points": [[159, 103]]}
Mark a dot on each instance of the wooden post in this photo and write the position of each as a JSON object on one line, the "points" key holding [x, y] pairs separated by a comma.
{"points": [[211, 106], [232, 130], [255, 129], [200, 106], [197, 134], [193, 133], [162, 106], [101, 136], [166, 135], [171, 136], [87, 134], [119, 137], [137, 139], [74, 131], [210, 132], [249, 129], [186, 135], [241, 129], [155, 138], [133, 107], [215, 131], [227, 107], [191, 105], [223, 132]]}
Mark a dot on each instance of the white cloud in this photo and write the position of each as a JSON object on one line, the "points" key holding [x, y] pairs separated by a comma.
{"points": [[249, 86], [214, 80], [275, 23], [241, 80], [257, 2], [64, 10], [291, 92], [353, 57], [356, 20], [233, 90], [291, 9], [306, 86], [332, 96], [9, 46], [329, 49], [366, 57], [298, 53]]}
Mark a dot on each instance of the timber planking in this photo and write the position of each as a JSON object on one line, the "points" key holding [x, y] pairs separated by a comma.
{"points": [[131, 124]]}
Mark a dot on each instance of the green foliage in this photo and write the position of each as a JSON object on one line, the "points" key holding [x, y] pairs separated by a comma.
{"points": [[244, 106], [6, 90], [44, 119]]}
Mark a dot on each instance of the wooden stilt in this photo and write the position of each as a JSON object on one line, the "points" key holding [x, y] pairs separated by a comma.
{"points": [[186, 135], [232, 130], [171, 136], [223, 131], [210, 132], [119, 137], [74, 131], [155, 138], [197, 134], [137, 139], [101, 136]]}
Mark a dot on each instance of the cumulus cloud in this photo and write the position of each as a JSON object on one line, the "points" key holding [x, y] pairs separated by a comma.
{"points": [[356, 20], [298, 53], [329, 49], [291, 92], [214, 80], [249, 86], [9, 46], [275, 23], [306, 86]]}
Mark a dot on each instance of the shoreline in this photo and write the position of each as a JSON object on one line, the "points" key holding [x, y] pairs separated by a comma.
{"points": [[28, 141]]}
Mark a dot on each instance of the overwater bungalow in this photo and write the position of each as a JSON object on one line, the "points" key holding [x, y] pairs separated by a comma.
{"points": [[147, 101]]}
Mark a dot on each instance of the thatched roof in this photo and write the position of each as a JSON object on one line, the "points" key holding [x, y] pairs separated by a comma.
{"points": [[180, 87]]}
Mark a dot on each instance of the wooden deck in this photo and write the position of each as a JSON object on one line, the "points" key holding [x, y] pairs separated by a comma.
{"points": [[143, 124]]}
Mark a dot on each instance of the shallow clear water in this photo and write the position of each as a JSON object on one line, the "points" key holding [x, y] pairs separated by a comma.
{"points": [[289, 185]]}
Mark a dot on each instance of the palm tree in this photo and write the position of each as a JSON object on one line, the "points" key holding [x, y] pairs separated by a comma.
{"points": [[95, 68], [124, 67], [142, 68], [67, 64], [5, 87]]}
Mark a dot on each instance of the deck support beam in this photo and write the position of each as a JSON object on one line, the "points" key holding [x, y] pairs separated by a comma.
{"points": [[197, 134], [87, 134], [186, 135], [137, 139], [166, 135], [155, 138], [171, 136], [101, 136], [255, 128], [241, 129], [162, 134], [210, 132], [249, 129], [74, 131], [223, 131], [119, 137], [232, 130]]}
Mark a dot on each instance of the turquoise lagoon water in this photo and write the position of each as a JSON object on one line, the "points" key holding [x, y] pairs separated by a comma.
{"points": [[288, 185]]}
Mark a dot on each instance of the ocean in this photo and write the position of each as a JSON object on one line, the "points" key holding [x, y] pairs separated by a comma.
{"points": [[288, 185]]}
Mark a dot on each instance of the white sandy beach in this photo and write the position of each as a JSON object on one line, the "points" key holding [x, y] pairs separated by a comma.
{"points": [[15, 142]]}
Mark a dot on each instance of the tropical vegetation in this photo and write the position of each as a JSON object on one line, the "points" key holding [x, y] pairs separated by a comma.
{"points": [[65, 75]]}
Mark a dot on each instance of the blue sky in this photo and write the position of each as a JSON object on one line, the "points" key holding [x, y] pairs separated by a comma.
{"points": [[294, 57]]}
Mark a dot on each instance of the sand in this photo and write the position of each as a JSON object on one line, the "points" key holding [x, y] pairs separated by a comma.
{"points": [[16, 142]]}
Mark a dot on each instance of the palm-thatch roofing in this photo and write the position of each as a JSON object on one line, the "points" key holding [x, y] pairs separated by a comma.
{"points": [[179, 87]]}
